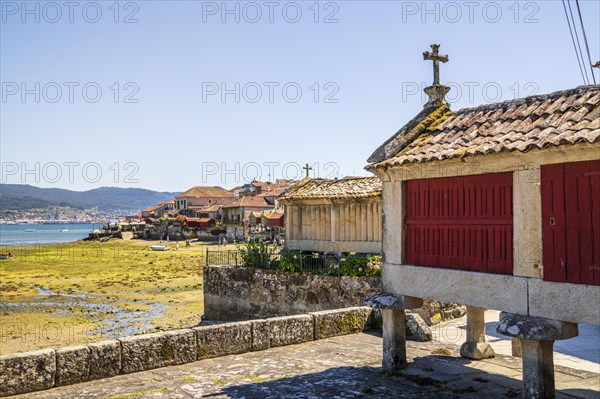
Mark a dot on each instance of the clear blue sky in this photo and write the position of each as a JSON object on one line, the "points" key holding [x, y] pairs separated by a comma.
{"points": [[366, 63]]}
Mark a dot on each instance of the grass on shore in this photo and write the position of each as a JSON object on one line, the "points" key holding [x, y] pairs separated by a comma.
{"points": [[65, 294]]}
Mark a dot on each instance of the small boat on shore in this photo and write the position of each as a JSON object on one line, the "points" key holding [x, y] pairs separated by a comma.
{"points": [[160, 247]]}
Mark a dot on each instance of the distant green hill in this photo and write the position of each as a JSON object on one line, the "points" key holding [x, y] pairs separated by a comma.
{"points": [[24, 196]]}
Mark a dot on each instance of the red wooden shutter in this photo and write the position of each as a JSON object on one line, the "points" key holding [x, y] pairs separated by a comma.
{"points": [[553, 222], [571, 222], [461, 223]]}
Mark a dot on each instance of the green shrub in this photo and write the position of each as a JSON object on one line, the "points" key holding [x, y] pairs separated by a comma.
{"points": [[353, 265], [255, 253]]}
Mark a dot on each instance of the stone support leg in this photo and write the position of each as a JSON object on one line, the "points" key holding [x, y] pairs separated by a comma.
{"points": [[394, 340], [475, 347], [394, 329], [538, 369], [516, 347], [537, 336]]}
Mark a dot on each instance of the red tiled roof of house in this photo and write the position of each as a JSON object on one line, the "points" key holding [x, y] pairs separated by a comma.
{"points": [[201, 220], [535, 122], [272, 192], [250, 202], [274, 215], [204, 208], [348, 187], [206, 191]]}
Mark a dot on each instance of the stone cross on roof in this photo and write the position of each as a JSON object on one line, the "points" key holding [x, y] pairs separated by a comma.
{"points": [[436, 57], [307, 169]]}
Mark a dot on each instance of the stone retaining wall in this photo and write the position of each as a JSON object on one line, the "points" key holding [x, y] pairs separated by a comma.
{"points": [[243, 293], [44, 369]]}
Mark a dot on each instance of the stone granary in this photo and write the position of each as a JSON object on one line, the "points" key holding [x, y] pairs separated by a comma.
{"points": [[495, 207], [334, 216]]}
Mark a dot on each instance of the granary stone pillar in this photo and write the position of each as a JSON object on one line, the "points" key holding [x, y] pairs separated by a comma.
{"points": [[475, 347], [394, 328], [394, 340], [537, 336]]}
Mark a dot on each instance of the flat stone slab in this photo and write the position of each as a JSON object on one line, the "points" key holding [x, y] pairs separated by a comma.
{"points": [[331, 323], [105, 359], [223, 339], [73, 365], [535, 328], [384, 300], [33, 371], [341, 367], [260, 335], [149, 351], [288, 330]]}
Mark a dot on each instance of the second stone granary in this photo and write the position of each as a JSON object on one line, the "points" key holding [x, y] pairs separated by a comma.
{"points": [[495, 207], [334, 216]]}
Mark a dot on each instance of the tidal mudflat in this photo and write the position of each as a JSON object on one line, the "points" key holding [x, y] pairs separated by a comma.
{"points": [[64, 294]]}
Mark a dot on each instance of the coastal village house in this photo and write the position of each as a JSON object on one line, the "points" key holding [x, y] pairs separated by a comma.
{"points": [[253, 206], [200, 222], [208, 211], [198, 197], [272, 195], [270, 191], [236, 215], [495, 207], [338, 216], [151, 212], [274, 220], [266, 219], [158, 211]]}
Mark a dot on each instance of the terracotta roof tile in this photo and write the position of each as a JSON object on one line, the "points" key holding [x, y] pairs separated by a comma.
{"points": [[250, 202], [348, 187], [206, 191], [274, 215], [204, 208], [272, 192], [566, 117], [201, 220]]}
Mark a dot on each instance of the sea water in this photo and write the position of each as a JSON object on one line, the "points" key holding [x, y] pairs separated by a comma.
{"points": [[30, 234]]}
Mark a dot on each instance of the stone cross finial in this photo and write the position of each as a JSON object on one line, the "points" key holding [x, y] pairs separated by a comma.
{"points": [[307, 168], [436, 57]]}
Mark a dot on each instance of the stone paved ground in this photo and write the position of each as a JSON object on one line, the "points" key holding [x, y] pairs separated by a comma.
{"points": [[581, 352], [337, 368]]}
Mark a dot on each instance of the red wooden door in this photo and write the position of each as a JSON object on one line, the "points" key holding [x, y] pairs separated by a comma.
{"points": [[461, 223], [571, 222]]}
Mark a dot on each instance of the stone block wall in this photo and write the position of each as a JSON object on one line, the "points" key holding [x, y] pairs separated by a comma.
{"points": [[44, 369], [243, 293]]}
